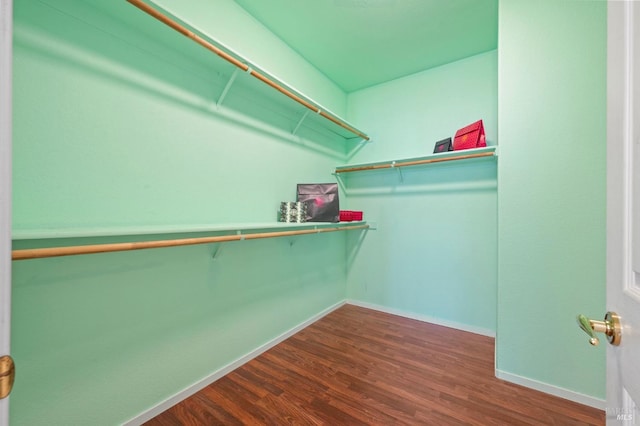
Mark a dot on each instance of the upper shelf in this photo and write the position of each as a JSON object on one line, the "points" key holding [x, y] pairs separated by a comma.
{"points": [[242, 80], [488, 152]]}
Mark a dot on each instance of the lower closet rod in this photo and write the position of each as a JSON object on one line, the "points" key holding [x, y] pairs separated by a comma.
{"points": [[39, 253]]}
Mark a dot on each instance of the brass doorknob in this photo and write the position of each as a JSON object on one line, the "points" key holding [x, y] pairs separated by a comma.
{"points": [[610, 327], [7, 375]]}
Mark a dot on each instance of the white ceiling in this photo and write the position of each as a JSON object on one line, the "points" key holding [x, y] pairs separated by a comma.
{"points": [[360, 43]]}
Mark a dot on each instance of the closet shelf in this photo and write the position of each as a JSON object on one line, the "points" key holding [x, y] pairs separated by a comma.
{"points": [[230, 233], [312, 115], [468, 154]]}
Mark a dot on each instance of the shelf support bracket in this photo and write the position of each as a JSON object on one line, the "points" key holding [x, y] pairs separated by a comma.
{"points": [[300, 121], [340, 182], [357, 147], [399, 169], [227, 87], [216, 251]]}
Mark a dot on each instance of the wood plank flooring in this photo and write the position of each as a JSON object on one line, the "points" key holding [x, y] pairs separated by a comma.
{"points": [[362, 367]]}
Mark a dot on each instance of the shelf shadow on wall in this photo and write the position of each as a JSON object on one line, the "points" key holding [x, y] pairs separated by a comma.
{"points": [[354, 244]]}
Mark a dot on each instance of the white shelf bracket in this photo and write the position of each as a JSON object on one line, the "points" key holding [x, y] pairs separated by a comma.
{"points": [[399, 169], [216, 252], [340, 182], [357, 146], [227, 87], [241, 236], [300, 121]]}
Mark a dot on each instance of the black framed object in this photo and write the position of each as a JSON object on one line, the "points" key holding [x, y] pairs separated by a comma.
{"points": [[443, 146]]}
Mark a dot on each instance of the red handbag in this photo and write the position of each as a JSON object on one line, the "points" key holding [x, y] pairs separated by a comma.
{"points": [[471, 136]]}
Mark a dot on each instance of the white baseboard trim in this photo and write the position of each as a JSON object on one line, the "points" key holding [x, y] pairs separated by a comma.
{"points": [[185, 393], [552, 390], [425, 318]]}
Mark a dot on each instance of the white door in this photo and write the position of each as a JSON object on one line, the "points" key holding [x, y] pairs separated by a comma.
{"points": [[6, 19], [623, 208]]}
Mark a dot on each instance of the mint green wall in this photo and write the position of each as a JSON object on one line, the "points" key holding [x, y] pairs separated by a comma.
{"points": [[98, 339], [111, 130], [434, 253], [108, 118], [551, 262]]}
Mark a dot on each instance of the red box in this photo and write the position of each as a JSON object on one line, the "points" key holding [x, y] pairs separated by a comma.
{"points": [[471, 136], [350, 215]]}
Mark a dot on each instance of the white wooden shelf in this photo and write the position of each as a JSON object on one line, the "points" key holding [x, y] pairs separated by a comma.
{"points": [[245, 87], [125, 231], [466, 155], [222, 233]]}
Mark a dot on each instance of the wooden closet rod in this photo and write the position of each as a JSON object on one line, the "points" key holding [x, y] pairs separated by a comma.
{"points": [[411, 163], [39, 253], [140, 4]]}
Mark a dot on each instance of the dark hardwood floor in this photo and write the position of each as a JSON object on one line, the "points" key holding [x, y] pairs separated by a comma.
{"points": [[362, 367]]}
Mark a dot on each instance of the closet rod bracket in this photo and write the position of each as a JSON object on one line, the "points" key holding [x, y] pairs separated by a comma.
{"points": [[340, 181], [306, 113], [216, 251], [227, 87]]}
